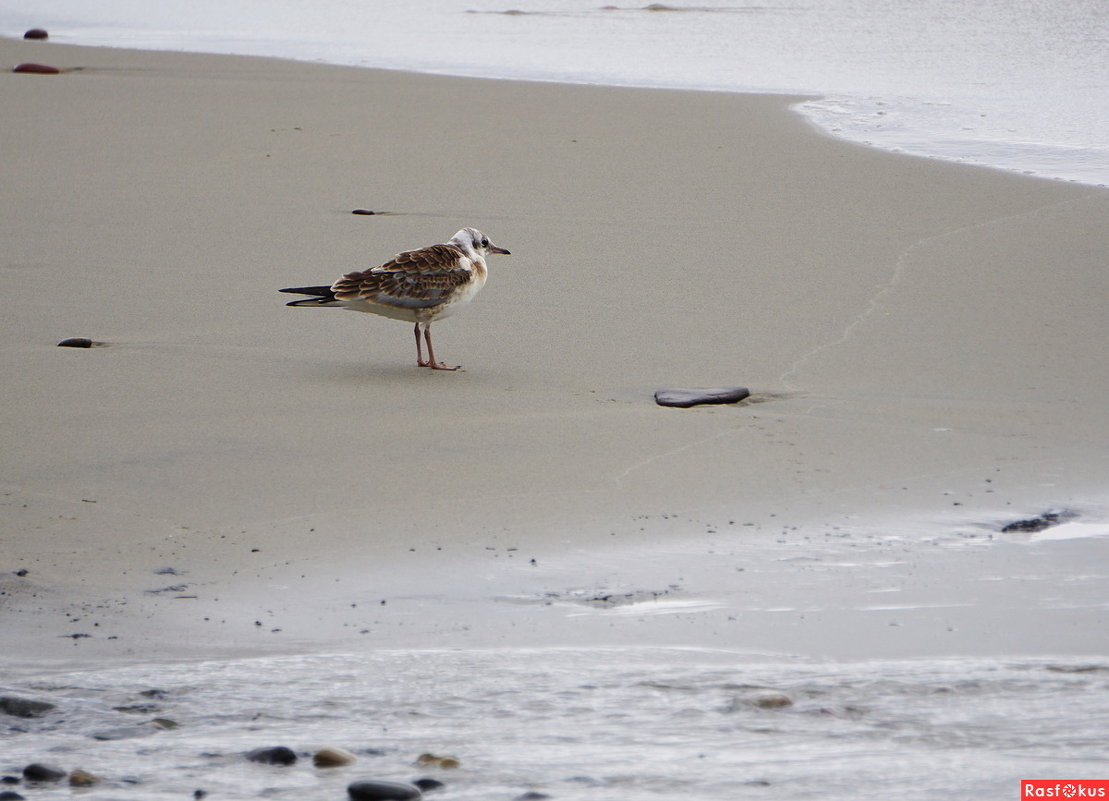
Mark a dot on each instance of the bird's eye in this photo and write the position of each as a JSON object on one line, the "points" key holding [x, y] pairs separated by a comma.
{"points": [[485, 243]]}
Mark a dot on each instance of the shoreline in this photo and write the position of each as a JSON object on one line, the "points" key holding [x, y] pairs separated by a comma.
{"points": [[823, 109], [266, 454]]}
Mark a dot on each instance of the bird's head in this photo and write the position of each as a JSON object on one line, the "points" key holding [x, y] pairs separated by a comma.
{"points": [[471, 240]]}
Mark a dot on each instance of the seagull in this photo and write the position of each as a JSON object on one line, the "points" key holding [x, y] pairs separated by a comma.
{"points": [[417, 286]]}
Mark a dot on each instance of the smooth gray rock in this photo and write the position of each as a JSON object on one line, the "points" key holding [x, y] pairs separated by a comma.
{"points": [[693, 397], [372, 790]]}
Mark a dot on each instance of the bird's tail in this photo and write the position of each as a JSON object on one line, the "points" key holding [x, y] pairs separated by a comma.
{"points": [[322, 296]]}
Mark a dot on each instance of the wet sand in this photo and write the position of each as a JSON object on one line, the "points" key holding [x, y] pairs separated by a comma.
{"points": [[924, 343]]}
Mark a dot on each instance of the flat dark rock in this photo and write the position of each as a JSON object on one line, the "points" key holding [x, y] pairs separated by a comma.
{"points": [[36, 33], [10, 795], [363, 211], [76, 342], [372, 790], [685, 398], [35, 69], [23, 707], [1034, 524]]}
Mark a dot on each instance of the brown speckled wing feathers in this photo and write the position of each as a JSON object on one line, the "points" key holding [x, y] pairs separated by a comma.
{"points": [[415, 278]]}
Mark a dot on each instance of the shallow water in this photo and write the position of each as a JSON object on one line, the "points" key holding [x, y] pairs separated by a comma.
{"points": [[597, 724], [1017, 84]]}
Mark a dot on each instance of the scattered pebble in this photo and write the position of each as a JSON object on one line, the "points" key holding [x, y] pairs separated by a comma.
{"points": [[531, 795], [38, 772], [685, 398], [332, 757], [36, 33], [76, 342], [427, 785], [9, 795], [82, 778], [36, 69], [432, 761], [363, 211], [23, 707], [372, 790], [277, 755], [770, 700]]}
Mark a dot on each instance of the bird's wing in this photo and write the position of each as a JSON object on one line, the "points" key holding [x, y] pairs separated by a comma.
{"points": [[413, 279]]}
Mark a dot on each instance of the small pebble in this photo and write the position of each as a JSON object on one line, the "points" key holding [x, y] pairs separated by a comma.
{"points": [[372, 790], [82, 778], [9, 795], [36, 33], [426, 785], [38, 772], [430, 760], [332, 757], [277, 755], [36, 69], [770, 700], [363, 211], [76, 342]]}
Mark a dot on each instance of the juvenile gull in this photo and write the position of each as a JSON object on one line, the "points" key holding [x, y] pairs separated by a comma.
{"points": [[417, 286]]}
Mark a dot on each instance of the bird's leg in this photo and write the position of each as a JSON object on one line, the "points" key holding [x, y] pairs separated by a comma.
{"points": [[434, 365], [419, 349]]}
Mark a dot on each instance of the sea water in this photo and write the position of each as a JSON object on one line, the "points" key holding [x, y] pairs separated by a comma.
{"points": [[570, 724], [1017, 84]]}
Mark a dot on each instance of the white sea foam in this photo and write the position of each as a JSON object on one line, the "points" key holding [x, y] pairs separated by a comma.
{"points": [[1016, 84]]}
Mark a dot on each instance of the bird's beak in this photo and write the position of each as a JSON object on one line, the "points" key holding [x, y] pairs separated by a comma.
{"points": [[502, 251]]}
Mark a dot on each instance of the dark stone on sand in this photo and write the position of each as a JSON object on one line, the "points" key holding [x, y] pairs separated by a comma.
{"points": [[372, 790], [277, 755], [8, 795], [22, 572], [693, 397], [427, 785], [10, 780], [39, 772], [363, 211], [531, 795], [36, 69], [36, 33], [23, 707], [1039, 523], [76, 342]]}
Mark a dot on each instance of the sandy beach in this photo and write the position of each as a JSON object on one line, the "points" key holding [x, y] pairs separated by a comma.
{"points": [[925, 345]]}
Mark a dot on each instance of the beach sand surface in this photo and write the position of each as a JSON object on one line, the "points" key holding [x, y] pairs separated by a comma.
{"points": [[924, 343]]}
